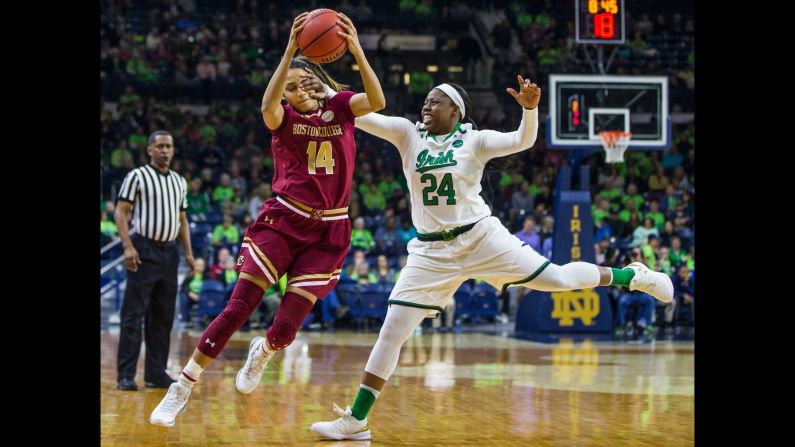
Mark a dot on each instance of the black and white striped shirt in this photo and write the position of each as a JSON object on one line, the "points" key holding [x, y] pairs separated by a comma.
{"points": [[157, 200]]}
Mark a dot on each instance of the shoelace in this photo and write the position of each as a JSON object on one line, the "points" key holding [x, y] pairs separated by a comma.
{"points": [[339, 411], [173, 401], [257, 366]]}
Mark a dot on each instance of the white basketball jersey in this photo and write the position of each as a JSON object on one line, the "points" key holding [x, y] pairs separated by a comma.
{"points": [[444, 171]]}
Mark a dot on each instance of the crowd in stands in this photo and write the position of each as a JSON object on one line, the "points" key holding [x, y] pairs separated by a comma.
{"points": [[198, 69]]}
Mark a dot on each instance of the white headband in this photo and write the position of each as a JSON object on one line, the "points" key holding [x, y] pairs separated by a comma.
{"points": [[453, 94]]}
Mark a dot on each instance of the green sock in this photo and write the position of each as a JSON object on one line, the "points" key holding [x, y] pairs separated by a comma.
{"points": [[622, 277], [364, 401]]}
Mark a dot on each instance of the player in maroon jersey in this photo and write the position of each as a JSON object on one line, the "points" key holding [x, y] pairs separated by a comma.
{"points": [[303, 232]]}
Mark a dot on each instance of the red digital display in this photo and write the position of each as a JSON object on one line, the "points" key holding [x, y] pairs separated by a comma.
{"points": [[603, 25]]}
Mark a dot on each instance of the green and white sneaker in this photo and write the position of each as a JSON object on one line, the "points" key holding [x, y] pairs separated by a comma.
{"points": [[346, 427], [656, 284]]}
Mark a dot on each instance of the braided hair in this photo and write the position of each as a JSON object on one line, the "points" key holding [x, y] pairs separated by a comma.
{"points": [[319, 71]]}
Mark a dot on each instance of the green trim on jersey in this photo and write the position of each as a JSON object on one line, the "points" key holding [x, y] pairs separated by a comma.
{"points": [[457, 127], [421, 306], [528, 279]]}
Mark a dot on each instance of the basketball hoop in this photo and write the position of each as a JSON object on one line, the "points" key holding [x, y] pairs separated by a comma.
{"points": [[614, 142]]}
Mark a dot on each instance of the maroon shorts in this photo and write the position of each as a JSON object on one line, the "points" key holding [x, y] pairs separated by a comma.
{"points": [[309, 250]]}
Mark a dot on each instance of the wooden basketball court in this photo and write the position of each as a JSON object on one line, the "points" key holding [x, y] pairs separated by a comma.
{"points": [[456, 389]]}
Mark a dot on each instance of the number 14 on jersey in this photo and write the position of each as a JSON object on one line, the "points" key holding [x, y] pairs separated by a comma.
{"points": [[322, 159]]}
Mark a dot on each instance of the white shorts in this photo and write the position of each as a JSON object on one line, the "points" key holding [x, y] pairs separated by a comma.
{"points": [[435, 270]]}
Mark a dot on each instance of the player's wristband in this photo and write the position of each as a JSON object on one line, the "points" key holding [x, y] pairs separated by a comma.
{"points": [[329, 91]]}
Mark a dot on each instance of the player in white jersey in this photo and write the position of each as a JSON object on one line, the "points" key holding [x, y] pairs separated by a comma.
{"points": [[443, 160]]}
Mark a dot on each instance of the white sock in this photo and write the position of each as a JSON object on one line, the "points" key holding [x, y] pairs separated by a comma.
{"points": [[266, 349], [190, 374], [372, 390]]}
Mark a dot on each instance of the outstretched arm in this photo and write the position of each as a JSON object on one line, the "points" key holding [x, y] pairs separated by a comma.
{"points": [[272, 111], [372, 100], [490, 144], [394, 129]]}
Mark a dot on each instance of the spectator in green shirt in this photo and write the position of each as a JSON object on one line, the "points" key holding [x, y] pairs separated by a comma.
{"points": [[107, 226], [650, 249], [198, 203], [643, 163], [374, 202], [119, 154], [600, 211], [420, 83], [632, 194], [363, 276], [207, 130], [138, 140], [364, 186], [387, 185], [260, 76], [611, 194], [538, 185], [223, 192], [665, 261], [677, 254], [655, 215], [225, 233], [631, 207], [547, 56], [425, 10], [190, 289], [360, 236], [407, 6]]}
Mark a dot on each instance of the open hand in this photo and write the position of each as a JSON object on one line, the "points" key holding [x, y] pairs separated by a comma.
{"points": [[528, 95]]}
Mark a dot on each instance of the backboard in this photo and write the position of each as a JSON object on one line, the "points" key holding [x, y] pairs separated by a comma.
{"points": [[580, 106]]}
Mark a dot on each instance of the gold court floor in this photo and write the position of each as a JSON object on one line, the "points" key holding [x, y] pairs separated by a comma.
{"points": [[458, 389]]}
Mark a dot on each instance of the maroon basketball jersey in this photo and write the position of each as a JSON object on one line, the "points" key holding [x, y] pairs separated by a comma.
{"points": [[313, 154]]}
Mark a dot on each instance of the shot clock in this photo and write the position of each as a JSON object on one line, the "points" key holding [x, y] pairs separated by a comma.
{"points": [[600, 21]]}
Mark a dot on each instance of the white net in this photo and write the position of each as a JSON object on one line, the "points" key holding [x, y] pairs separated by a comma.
{"points": [[615, 143]]}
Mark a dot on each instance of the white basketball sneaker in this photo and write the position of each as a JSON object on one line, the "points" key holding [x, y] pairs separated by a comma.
{"points": [[250, 374], [172, 405], [656, 284], [346, 427]]}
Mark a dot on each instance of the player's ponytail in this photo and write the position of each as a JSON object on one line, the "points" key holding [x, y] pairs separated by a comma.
{"points": [[320, 72]]}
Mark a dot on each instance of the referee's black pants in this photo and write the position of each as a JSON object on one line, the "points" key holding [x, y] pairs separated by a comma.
{"points": [[150, 296]]}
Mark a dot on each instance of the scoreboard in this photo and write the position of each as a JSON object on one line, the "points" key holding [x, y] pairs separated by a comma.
{"points": [[600, 21]]}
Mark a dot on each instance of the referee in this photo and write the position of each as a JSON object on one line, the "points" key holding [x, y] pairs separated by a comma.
{"points": [[157, 199]]}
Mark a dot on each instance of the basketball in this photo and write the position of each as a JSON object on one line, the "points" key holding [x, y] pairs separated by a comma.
{"points": [[318, 40]]}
